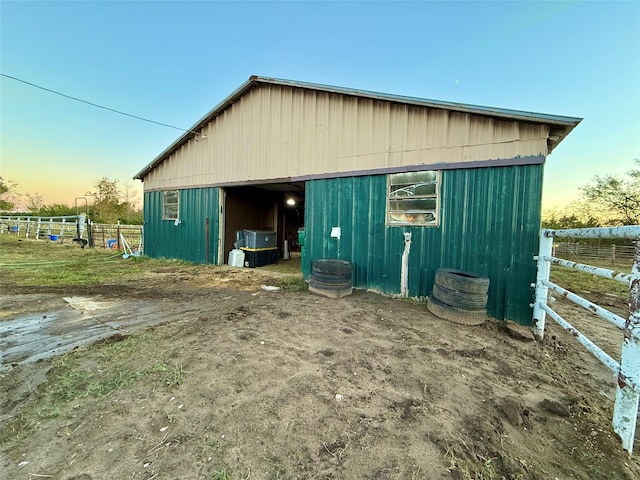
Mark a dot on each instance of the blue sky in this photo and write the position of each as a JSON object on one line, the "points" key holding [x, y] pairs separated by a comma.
{"points": [[173, 61]]}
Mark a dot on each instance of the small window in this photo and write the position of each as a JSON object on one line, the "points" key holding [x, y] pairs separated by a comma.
{"points": [[413, 199], [170, 205]]}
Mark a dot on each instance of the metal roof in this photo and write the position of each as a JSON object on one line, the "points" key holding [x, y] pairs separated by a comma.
{"points": [[560, 126]]}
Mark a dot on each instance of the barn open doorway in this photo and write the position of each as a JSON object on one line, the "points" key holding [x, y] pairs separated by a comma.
{"points": [[276, 207]]}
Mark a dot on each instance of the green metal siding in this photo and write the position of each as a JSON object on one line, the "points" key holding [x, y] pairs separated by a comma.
{"points": [[490, 218], [186, 241]]}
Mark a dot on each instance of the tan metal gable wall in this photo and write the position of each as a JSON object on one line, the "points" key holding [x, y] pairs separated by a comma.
{"points": [[278, 132]]}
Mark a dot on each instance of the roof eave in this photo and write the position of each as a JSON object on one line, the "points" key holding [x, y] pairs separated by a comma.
{"points": [[214, 112], [424, 102]]}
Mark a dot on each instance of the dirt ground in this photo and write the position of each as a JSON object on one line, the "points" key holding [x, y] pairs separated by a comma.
{"points": [[253, 384]]}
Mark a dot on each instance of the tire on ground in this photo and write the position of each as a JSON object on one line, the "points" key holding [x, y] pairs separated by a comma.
{"points": [[456, 315], [332, 266], [331, 278], [330, 291], [329, 286], [463, 282], [465, 301]]}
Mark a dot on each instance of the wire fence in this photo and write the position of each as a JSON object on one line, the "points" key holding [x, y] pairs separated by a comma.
{"points": [[110, 235], [69, 229], [615, 255]]}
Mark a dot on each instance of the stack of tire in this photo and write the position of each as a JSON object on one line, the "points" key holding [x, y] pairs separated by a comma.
{"points": [[460, 297], [331, 278]]}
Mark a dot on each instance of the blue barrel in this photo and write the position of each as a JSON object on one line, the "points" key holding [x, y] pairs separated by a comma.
{"points": [[14, 229], [53, 238]]}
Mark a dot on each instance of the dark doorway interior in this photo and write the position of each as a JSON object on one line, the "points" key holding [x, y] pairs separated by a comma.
{"points": [[274, 207]]}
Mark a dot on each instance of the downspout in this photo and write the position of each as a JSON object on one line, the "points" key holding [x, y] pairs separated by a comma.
{"points": [[404, 272]]}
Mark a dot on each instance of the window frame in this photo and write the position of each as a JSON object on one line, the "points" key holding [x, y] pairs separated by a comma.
{"points": [[390, 222], [173, 205]]}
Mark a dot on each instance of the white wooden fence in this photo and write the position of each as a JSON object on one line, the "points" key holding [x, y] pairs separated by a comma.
{"points": [[44, 228], [65, 229], [627, 371]]}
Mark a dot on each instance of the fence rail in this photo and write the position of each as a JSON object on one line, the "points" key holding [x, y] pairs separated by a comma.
{"points": [[67, 228], [49, 228], [627, 371]]}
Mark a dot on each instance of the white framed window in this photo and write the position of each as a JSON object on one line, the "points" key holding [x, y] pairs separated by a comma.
{"points": [[413, 199], [170, 204]]}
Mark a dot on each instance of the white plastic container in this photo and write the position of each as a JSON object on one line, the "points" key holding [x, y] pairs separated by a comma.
{"points": [[236, 258]]}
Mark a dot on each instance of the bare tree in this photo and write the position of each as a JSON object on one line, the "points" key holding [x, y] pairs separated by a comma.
{"points": [[35, 202]]}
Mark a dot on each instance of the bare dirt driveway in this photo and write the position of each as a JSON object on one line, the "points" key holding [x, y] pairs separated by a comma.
{"points": [[242, 383]]}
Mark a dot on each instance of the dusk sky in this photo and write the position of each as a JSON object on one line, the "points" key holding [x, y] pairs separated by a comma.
{"points": [[173, 61]]}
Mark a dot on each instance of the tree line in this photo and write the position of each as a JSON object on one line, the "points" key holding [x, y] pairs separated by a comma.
{"points": [[608, 200], [108, 202]]}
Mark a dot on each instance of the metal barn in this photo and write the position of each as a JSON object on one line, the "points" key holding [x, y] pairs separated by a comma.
{"points": [[368, 172]]}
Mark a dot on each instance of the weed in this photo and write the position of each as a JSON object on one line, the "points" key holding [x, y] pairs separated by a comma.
{"points": [[175, 376], [487, 472], [278, 471], [161, 366], [19, 428], [207, 444], [221, 475]]}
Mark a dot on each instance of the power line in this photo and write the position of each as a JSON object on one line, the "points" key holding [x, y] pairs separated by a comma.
{"points": [[94, 104]]}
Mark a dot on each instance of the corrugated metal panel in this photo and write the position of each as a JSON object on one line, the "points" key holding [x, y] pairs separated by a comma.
{"points": [[561, 126], [276, 132], [187, 241], [490, 219]]}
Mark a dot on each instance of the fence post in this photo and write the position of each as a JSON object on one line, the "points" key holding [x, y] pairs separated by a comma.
{"points": [[544, 267], [613, 254], [625, 411]]}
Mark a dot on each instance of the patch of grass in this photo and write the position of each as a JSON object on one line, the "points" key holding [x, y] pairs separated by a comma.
{"points": [[276, 468], [19, 428], [221, 475], [39, 263], [27, 262], [175, 375], [293, 283], [94, 373], [578, 282], [70, 379]]}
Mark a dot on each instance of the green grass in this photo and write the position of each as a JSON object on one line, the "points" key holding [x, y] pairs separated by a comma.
{"points": [[72, 377], [221, 475], [40, 263], [31, 262], [578, 282], [293, 283]]}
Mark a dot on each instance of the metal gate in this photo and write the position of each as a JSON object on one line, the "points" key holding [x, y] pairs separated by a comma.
{"points": [[627, 371]]}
